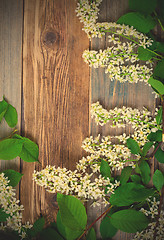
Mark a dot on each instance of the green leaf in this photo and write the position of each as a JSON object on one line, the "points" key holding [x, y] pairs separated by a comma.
{"points": [[49, 234], [144, 54], [11, 116], [130, 193], [10, 148], [155, 136], [107, 230], [73, 214], [158, 71], [135, 178], [67, 233], [145, 172], [125, 174], [157, 85], [37, 227], [130, 221], [133, 146], [159, 155], [3, 109], [143, 6], [160, 47], [91, 234], [159, 116], [138, 20], [9, 235], [158, 180], [3, 215], [105, 169], [13, 176], [30, 150], [146, 148]]}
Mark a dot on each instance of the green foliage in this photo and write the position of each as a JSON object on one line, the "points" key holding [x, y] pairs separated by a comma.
{"points": [[105, 169], [30, 150], [158, 71], [66, 232], [10, 148], [129, 221], [155, 136], [145, 172], [157, 85], [135, 178], [37, 227], [3, 215], [13, 176], [11, 116], [143, 6], [133, 146], [159, 116], [159, 155], [130, 193], [144, 54], [158, 180], [160, 47], [107, 230], [9, 235], [141, 22], [49, 234], [125, 174], [3, 108], [146, 148], [91, 235], [73, 213]]}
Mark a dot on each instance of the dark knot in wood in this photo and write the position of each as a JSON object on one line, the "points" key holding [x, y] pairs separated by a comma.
{"points": [[49, 38]]}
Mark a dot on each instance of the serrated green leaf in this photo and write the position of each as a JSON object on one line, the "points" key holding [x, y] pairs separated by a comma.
{"points": [[30, 150], [130, 221], [145, 172], [50, 234], [159, 155], [157, 85], [143, 6], [3, 215], [105, 169], [158, 180], [125, 174], [141, 22], [133, 146], [144, 54], [158, 71], [107, 230], [159, 116], [155, 136], [91, 234], [13, 176], [146, 148], [73, 213], [10, 148], [66, 232], [11, 116], [37, 227], [130, 193], [135, 178], [3, 109]]}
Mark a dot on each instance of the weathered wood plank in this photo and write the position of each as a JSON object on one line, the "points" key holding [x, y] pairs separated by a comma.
{"points": [[112, 93], [11, 18], [55, 93]]}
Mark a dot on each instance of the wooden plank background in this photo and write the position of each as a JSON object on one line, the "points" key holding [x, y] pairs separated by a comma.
{"points": [[44, 76]]}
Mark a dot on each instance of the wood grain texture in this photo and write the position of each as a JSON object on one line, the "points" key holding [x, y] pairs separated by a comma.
{"points": [[55, 94], [113, 93], [11, 19]]}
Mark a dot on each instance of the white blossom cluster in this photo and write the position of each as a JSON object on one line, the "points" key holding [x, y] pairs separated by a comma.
{"points": [[142, 122], [116, 155], [78, 183], [88, 12], [10, 205], [152, 213], [115, 60]]}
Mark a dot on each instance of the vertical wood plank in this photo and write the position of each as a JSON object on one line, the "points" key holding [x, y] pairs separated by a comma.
{"points": [[55, 94], [11, 18], [113, 93]]}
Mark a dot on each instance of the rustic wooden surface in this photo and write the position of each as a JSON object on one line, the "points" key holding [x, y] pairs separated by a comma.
{"points": [[52, 88]]}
